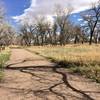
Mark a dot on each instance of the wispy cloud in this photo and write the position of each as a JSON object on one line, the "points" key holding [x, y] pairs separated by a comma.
{"points": [[46, 7]]}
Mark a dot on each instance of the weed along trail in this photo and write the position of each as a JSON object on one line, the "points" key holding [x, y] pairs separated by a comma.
{"points": [[29, 76]]}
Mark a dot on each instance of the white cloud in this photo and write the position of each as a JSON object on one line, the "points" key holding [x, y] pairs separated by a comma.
{"points": [[46, 7], [80, 19]]}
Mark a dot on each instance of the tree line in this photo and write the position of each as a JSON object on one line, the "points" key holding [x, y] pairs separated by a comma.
{"points": [[6, 30], [61, 32]]}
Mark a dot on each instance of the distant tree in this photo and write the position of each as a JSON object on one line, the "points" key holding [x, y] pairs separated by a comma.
{"points": [[27, 34], [78, 34], [6, 35], [97, 34], [44, 31], [41, 29], [55, 35], [6, 31], [62, 20]]}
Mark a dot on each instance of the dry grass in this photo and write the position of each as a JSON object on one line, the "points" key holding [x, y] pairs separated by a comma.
{"points": [[4, 56], [83, 59]]}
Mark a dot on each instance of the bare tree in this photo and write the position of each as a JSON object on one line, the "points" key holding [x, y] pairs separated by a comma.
{"points": [[92, 19], [5, 29], [44, 31], [27, 33], [78, 35], [54, 28], [6, 34], [62, 21], [97, 34]]}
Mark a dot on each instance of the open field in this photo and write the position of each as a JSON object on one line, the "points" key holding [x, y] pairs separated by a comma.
{"points": [[81, 59], [30, 75]]}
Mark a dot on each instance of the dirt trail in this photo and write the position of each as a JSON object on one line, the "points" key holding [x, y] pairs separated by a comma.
{"points": [[31, 77]]}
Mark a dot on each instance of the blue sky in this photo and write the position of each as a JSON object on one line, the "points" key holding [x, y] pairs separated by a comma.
{"points": [[15, 8], [20, 10]]}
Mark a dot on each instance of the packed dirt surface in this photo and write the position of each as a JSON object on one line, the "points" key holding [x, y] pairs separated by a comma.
{"points": [[32, 77]]}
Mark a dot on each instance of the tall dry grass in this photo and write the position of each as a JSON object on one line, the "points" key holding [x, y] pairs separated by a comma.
{"points": [[83, 59], [4, 57]]}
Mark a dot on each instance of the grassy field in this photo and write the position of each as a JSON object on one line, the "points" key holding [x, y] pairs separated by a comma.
{"points": [[81, 59], [4, 57]]}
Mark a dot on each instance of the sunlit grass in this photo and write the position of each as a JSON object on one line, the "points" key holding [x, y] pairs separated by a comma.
{"points": [[83, 59]]}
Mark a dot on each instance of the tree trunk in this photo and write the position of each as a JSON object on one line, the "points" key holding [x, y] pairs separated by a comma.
{"points": [[91, 36]]}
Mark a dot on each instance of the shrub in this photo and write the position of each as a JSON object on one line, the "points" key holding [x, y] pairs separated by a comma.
{"points": [[4, 57]]}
